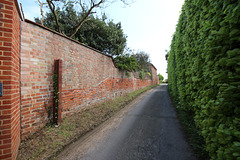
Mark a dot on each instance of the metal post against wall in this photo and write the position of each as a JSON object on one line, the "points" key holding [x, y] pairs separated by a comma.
{"points": [[57, 110]]}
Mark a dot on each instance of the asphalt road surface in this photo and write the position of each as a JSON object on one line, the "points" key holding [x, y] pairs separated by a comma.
{"points": [[147, 130]]}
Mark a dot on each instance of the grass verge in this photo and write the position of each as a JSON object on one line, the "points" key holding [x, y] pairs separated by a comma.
{"points": [[193, 134], [49, 141]]}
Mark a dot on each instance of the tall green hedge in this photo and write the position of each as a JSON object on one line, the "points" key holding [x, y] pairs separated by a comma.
{"points": [[204, 72]]}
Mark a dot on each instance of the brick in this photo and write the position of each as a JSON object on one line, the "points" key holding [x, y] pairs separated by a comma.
{"points": [[8, 7], [5, 67], [5, 122], [7, 141], [5, 137], [5, 156], [7, 63], [7, 21], [5, 29], [9, 17], [6, 11], [6, 73], [7, 101], [7, 34], [5, 48], [7, 2], [7, 151], [6, 132], [6, 58], [2, 117]]}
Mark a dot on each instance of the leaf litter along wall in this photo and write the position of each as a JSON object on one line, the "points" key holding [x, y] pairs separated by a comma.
{"points": [[204, 72]]}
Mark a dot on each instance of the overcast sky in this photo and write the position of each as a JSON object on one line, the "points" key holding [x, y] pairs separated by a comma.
{"points": [[148, 24]]}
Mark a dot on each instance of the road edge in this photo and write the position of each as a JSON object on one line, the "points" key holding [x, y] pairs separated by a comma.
{"points": [[99, 132]]}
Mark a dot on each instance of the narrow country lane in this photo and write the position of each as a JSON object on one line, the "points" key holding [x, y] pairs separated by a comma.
{"points": [[148, 130]]}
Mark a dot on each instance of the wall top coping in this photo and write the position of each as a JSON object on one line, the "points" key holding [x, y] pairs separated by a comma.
{"points": [[64, 36], [153, 66], [18, 9]]}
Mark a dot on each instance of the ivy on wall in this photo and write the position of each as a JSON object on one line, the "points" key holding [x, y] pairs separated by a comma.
{"points": [[204, 72], [55, 98]]}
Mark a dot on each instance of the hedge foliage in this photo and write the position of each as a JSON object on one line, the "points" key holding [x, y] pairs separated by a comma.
{"points": [[204, 72]]}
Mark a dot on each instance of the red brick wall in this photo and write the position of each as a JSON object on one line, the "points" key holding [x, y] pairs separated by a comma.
{"points": [[88, 76], [9, 76], [155, 78]]}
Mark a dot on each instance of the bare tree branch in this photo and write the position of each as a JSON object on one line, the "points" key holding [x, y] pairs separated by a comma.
{"points": [[83, 9], [86, 6], [41, 10], [78, 26], [52, 8]]}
